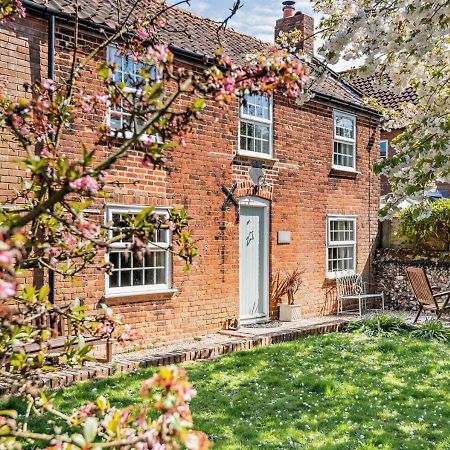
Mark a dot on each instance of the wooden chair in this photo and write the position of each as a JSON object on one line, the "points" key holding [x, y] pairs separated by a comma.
{"points": [[351, 288], [423, 292]]}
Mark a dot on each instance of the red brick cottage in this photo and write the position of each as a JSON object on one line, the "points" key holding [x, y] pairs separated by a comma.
{"points": [[317, 208]]}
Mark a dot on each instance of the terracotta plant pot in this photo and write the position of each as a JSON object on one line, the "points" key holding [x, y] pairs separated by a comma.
{"points": [[290, 313]]}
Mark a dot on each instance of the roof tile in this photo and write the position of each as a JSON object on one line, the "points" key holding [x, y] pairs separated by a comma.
{"points": [[193, 33], [368, 87]]}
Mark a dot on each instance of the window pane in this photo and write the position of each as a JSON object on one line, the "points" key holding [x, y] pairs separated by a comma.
{"points": [[160, 276], [114, 258], [341, 258], [344, 126], [138, 278], [343, 154], [383, 149], [257, 106], [255, 138], [160, 259], [149, 276], [126, 259], [125, 278], [114, 279], [342, 230]]}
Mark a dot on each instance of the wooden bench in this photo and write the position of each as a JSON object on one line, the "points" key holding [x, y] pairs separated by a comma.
{"points": [[64, 330], [351, 289]]}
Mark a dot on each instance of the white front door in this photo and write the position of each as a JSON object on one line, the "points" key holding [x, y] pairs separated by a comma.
{"points": [[254, 262]]}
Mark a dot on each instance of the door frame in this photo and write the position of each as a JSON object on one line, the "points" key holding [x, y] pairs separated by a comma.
{"points": [[257, 202]]}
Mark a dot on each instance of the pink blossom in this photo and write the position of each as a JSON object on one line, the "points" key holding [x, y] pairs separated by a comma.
{"points": [[106, 328], [142, 33], [101, 99], [85, 183], [88, 229], [68, 238], [6, 256], [149, 140], [86, 104], [126, 333], [48, 84], [7, 289], [46, 153]]}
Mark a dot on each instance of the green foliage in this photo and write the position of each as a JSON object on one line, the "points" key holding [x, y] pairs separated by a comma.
{"points": [[386, 325], [432, 329], [427, 226], [332, 392], [383, 325]]}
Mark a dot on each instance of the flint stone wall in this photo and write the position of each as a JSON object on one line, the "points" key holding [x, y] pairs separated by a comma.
{"points": [[390, 274]]}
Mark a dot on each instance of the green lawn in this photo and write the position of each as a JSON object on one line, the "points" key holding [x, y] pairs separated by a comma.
{"points": [[340, 391]]}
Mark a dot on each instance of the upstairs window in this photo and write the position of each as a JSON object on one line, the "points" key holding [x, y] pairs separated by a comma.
{"points": [[255, 126], [344, 143], [384, 147], [341, 245], [127, 72], [135, 273]]}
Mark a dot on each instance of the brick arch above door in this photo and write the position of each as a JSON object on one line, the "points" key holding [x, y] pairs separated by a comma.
{"points": [[247, 189]]}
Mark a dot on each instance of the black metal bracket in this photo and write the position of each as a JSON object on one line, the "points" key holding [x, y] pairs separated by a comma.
{"points": [[229, 196]]}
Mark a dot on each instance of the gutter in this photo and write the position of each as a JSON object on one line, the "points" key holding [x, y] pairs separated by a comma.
{"points": [[329, 98], [45, 10]]}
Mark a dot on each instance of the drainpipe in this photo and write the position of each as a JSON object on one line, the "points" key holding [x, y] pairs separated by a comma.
{"points": [[51, 76]]}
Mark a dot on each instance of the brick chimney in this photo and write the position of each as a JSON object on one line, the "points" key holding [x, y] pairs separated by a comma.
{"points": [[297, 21]]}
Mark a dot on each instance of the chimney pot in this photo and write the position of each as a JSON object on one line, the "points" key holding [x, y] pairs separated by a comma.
{"points": [[288, 9]]}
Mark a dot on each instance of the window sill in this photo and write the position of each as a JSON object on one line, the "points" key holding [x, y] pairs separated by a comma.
{"points": [[255, 155], [332, 276], [338, 172], [120, 136], [134, 297]]}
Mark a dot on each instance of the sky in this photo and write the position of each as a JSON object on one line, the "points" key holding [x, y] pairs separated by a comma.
{"points": [[256, 17]]}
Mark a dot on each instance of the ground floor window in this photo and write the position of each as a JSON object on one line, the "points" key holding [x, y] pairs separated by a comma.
{"points": [[137, 273], [341, 244]]}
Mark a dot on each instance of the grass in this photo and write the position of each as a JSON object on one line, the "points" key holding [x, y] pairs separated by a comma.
{"points": [[339, 391]]}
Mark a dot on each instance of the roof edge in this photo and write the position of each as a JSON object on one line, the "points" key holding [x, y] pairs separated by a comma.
{"points": [[197, 57]]}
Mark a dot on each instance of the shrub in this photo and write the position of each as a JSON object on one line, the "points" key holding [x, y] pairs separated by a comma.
{"points": [[383, 325], [287, 284], [427, 226], [432, 330]]}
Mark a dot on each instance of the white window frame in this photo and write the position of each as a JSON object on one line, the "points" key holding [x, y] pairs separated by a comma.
{"points": [[387, 148], [127, 134], [344, 140], [256, 121], [125, 291], [334, 244]]}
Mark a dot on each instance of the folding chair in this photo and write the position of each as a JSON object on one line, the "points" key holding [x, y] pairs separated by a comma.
{"points": [[423, 292]]}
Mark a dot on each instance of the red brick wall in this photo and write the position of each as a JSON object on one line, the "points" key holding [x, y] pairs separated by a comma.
{"points": [[23, 58], [304, 191]]}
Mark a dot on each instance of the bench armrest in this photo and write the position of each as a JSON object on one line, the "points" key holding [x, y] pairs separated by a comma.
{"points": [[441, 294]]}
